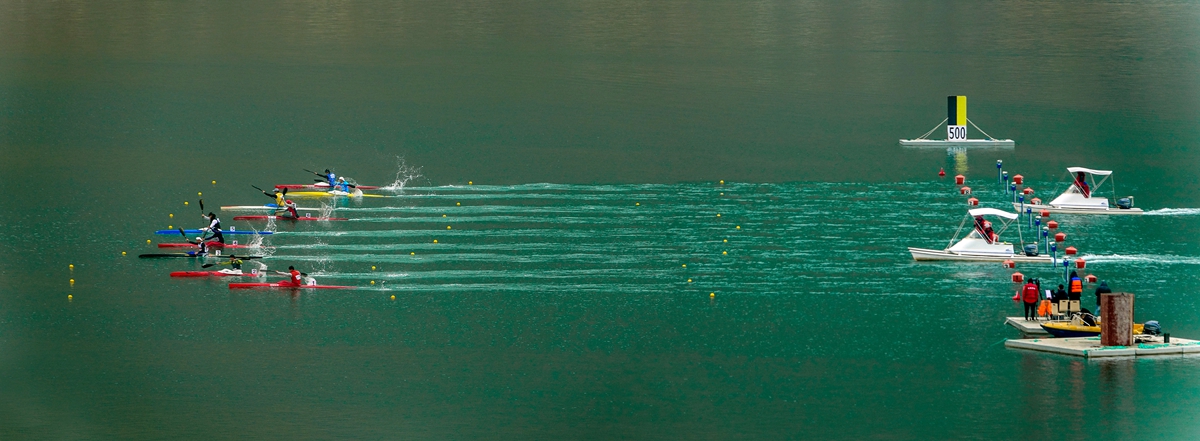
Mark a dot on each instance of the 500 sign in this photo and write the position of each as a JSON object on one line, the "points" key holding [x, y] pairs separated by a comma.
{"points": [[956, 133]]}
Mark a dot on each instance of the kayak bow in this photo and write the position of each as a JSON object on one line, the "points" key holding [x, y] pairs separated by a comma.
{"points": [[285, 285]]}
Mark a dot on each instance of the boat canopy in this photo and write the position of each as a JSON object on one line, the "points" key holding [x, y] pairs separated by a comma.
{"points": [[992, 211], [1089, 171]]}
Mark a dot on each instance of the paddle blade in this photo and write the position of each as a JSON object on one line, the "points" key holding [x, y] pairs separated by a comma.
{"points": [[182, 234], [207, 265], [201, 205]]}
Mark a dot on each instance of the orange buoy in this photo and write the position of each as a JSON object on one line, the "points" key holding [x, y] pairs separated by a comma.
{"points": [[1052, 225], [942, 172], [1071, 251], [1091, 278], [1080, 264], [972, 202], [1028, 191], [1018, 179], [964, 190], [1009, 264], [1018, 277], [960, 179], [1059, 237], [1038, 201]]}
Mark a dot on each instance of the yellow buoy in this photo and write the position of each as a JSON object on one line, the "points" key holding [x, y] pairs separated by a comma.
{"points": [[72, 281], [685, 265], [443, 215], [170, 227], [69, 297], [739, 227], [372, 282], [722, 193], [171, 215], [724, 253], [718, 214], [638, 204], [122, 253], [412, 254], [199, 193], [470, 183], [393, 297], [458, 203], [71, 266], [689, 280], [722, 182], [712, 294], [435, 241], [147, 241], [185, 202], [214, 182], [372, 267], [447, 227]]}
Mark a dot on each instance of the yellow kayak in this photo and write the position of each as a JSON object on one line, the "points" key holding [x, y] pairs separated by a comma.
{"points": [[1068, 329], [319, 194]]}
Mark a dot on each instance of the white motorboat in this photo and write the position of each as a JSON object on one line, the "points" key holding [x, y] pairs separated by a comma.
{"points": [[1081, 198], [956, 131], [983, 243]]}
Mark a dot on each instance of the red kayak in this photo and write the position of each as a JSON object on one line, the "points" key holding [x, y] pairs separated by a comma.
{"points": [[286, 285], [289, 218], [210, 245], [212, 274], [320, 186]]}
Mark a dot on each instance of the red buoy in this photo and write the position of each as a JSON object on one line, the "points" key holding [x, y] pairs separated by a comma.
{"points": [[1010, 264], [1071, 251], [1059, 237], [1045, 213], [960, 180], [1038, 201], [1018, 179], [1052, 225], [1018, 277], [964, 190], [1079, 263], [972, 202], [1091, 278], [942, 172], [1027, 191]]}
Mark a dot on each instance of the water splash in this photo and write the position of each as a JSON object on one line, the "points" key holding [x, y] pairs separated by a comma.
{"points": [[405, 174], [1143, 258]]}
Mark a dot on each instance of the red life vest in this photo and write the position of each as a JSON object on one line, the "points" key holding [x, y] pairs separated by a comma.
{"points": [[296, 278], [1076, 286], [1031, 293]]}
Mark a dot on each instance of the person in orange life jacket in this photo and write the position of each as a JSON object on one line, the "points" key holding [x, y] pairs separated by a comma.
{"points": [[214, 227], [1081, 183], [294, 277], [1075, 286], [1029, 296]]}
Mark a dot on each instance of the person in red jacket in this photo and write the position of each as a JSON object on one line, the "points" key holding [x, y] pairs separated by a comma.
{"points": [[1029, 296], [294, 277]]}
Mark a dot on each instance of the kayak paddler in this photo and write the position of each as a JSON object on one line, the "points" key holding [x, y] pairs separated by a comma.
{"points": [[278, 196], [308, 280], [214, 226], [294, 277], [291, 210], [330, 178], [202, 245], [235, 265], [342, 185]]}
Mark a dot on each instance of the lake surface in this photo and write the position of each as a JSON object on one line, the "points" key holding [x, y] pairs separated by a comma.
{"points": [[666, 219]]}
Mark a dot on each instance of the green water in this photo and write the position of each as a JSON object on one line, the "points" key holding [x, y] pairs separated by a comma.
{"points": [[594, 136]]}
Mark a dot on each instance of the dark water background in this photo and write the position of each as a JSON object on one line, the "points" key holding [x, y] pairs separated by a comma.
{"points": [[563, 310]]}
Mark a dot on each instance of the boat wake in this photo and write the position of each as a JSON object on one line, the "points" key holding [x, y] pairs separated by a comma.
{"points": [[1174, 212], [1143, 258]]}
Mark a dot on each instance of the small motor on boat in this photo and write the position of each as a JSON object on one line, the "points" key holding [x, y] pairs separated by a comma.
{"points": [[1031, 250], [1125, 203]]}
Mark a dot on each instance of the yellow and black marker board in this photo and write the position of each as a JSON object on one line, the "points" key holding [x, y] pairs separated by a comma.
{"points": [[956, 110]]}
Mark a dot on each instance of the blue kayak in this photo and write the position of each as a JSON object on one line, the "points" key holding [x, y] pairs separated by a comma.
{"points": [[168, 232]]}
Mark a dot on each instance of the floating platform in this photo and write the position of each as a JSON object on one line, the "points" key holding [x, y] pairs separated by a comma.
{"points": [[963, 143], [1027, 327], [1089, 347]]}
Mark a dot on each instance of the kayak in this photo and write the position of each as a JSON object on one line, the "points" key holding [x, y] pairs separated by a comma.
{"points": [[210, 245], [165, 232], [306, 218], [260, 207], [319, 186], [192, 254], [285, 285], [212, 274], [318, 194]]}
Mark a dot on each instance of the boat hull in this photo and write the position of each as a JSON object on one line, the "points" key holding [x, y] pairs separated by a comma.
{"points": [[1065, 329], [1073, 210], [284, 286], [320, 186], [267, 207], [331, 193], [925, 254], [212, 274], [169, 232], [286, 218], [210, 245]]}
